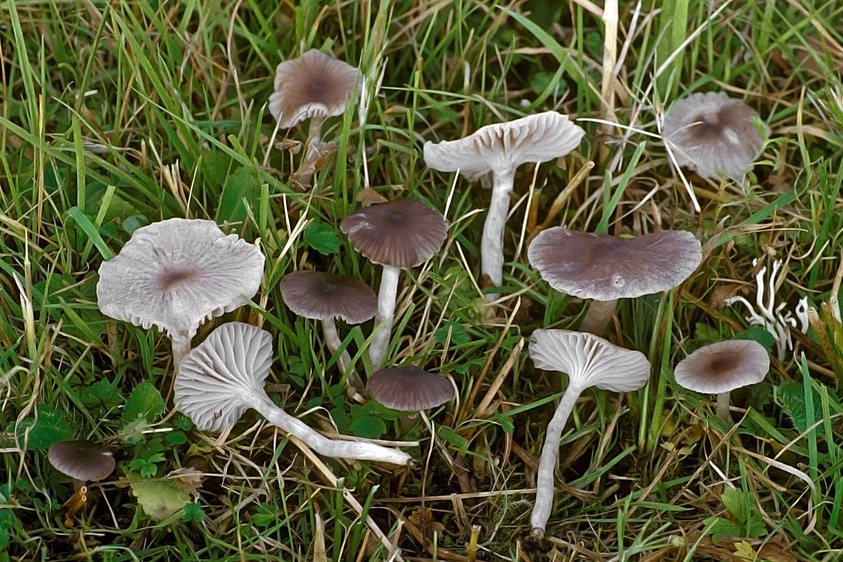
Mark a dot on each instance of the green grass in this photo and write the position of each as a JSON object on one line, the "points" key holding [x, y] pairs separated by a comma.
{"points": [[115, 115]]}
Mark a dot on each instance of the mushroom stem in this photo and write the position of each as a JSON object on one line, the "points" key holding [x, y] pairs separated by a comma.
{"points": [[723, 407], [387, 295], [547, 462], [181, 346], [598, 316], [359, 450], [333, 342], [491, 245]]}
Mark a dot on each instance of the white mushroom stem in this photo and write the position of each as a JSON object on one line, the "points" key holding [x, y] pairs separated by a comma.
{"points": [[333, 342], [598, 316], [359, 450], [547, 462], [723, 407], [387, 295], [181, 346], [491, 245]]}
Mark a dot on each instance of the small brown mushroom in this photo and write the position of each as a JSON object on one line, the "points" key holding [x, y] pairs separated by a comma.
{"points": [[409, 389]]}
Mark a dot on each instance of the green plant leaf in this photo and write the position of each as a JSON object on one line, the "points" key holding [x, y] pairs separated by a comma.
{"points": [[368, 426], [45, 429], [159, 498], [322, 237], [145, 402], [733, 499]]}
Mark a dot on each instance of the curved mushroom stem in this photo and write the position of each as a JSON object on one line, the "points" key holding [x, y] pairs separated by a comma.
{"points": [[598, 316], [359, 450], [491, 245], [333, 342], [723, 407], [547, 462], [387, 294], [181, 346]]}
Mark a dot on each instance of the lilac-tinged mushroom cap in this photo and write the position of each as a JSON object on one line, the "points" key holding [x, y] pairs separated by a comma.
{"points": [[597, 266], [325, 296], [723, 367], [502, 147], [176, 274], [409, 388], [81, 460], [313, 85], [713, 134]]}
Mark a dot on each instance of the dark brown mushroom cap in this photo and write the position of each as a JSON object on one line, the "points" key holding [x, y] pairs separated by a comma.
{"points": [[409, 388], [597, 266], [313, 85], [402, 233], [325, 296], [712, 134], [81, 460], [723, 367]]}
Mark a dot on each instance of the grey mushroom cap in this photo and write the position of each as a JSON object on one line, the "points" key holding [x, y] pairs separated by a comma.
{"points": [[176, 274], [402, 233], [589, 360], [313, 85], [597, 266], [217, 379], [723, 367], [502, 147], [81, 460], [409, 389], [325, 296], [712, 134]]}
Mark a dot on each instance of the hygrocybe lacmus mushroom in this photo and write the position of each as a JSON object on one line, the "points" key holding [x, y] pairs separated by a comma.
{"points": [[589, 361], [500, 149], [176, 274], [223, 377]]}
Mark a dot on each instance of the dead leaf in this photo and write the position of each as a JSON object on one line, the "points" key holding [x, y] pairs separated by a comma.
{"points": [[188, 479], [368, 197]]}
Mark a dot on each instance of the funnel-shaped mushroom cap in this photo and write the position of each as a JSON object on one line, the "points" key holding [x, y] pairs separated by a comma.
{"points": [[589, 360], [313, 85], [502, 147], [176, 274], [409, 388], [402, 233], [602, 267], [712, 133], [325, 296], [723, 367], [218, 378], [81, 460]]}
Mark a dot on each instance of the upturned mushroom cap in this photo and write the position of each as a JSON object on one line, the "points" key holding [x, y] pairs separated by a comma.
{"points": [[324, 296], [409, 388], [218, 378], [81, 460], [502, 147], [723, 367], [176, 274], [597, 266], [589, 360], [313, 85], [402, 233], [712, 134]]}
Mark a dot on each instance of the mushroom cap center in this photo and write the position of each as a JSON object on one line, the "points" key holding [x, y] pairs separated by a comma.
{"points": [[174, 277]]}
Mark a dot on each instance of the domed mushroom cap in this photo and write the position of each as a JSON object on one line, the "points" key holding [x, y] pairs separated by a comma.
{"points": [[597, 266], [712, 133], [176, 274], [402, 233], [218, 378], [313, 85], [324, 296], [81, 460], [505, 146], [409, 388], [589, 360], [723, 367]]}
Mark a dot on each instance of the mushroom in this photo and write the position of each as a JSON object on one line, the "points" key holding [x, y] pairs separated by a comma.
{"points": [[713, 134], [397, 235], [175, 275], [223, 377], [500, 149], [325, 297], [605, 268], [84, 462], [409, 389], [314, 86], [589, 361], [722, 367]]}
